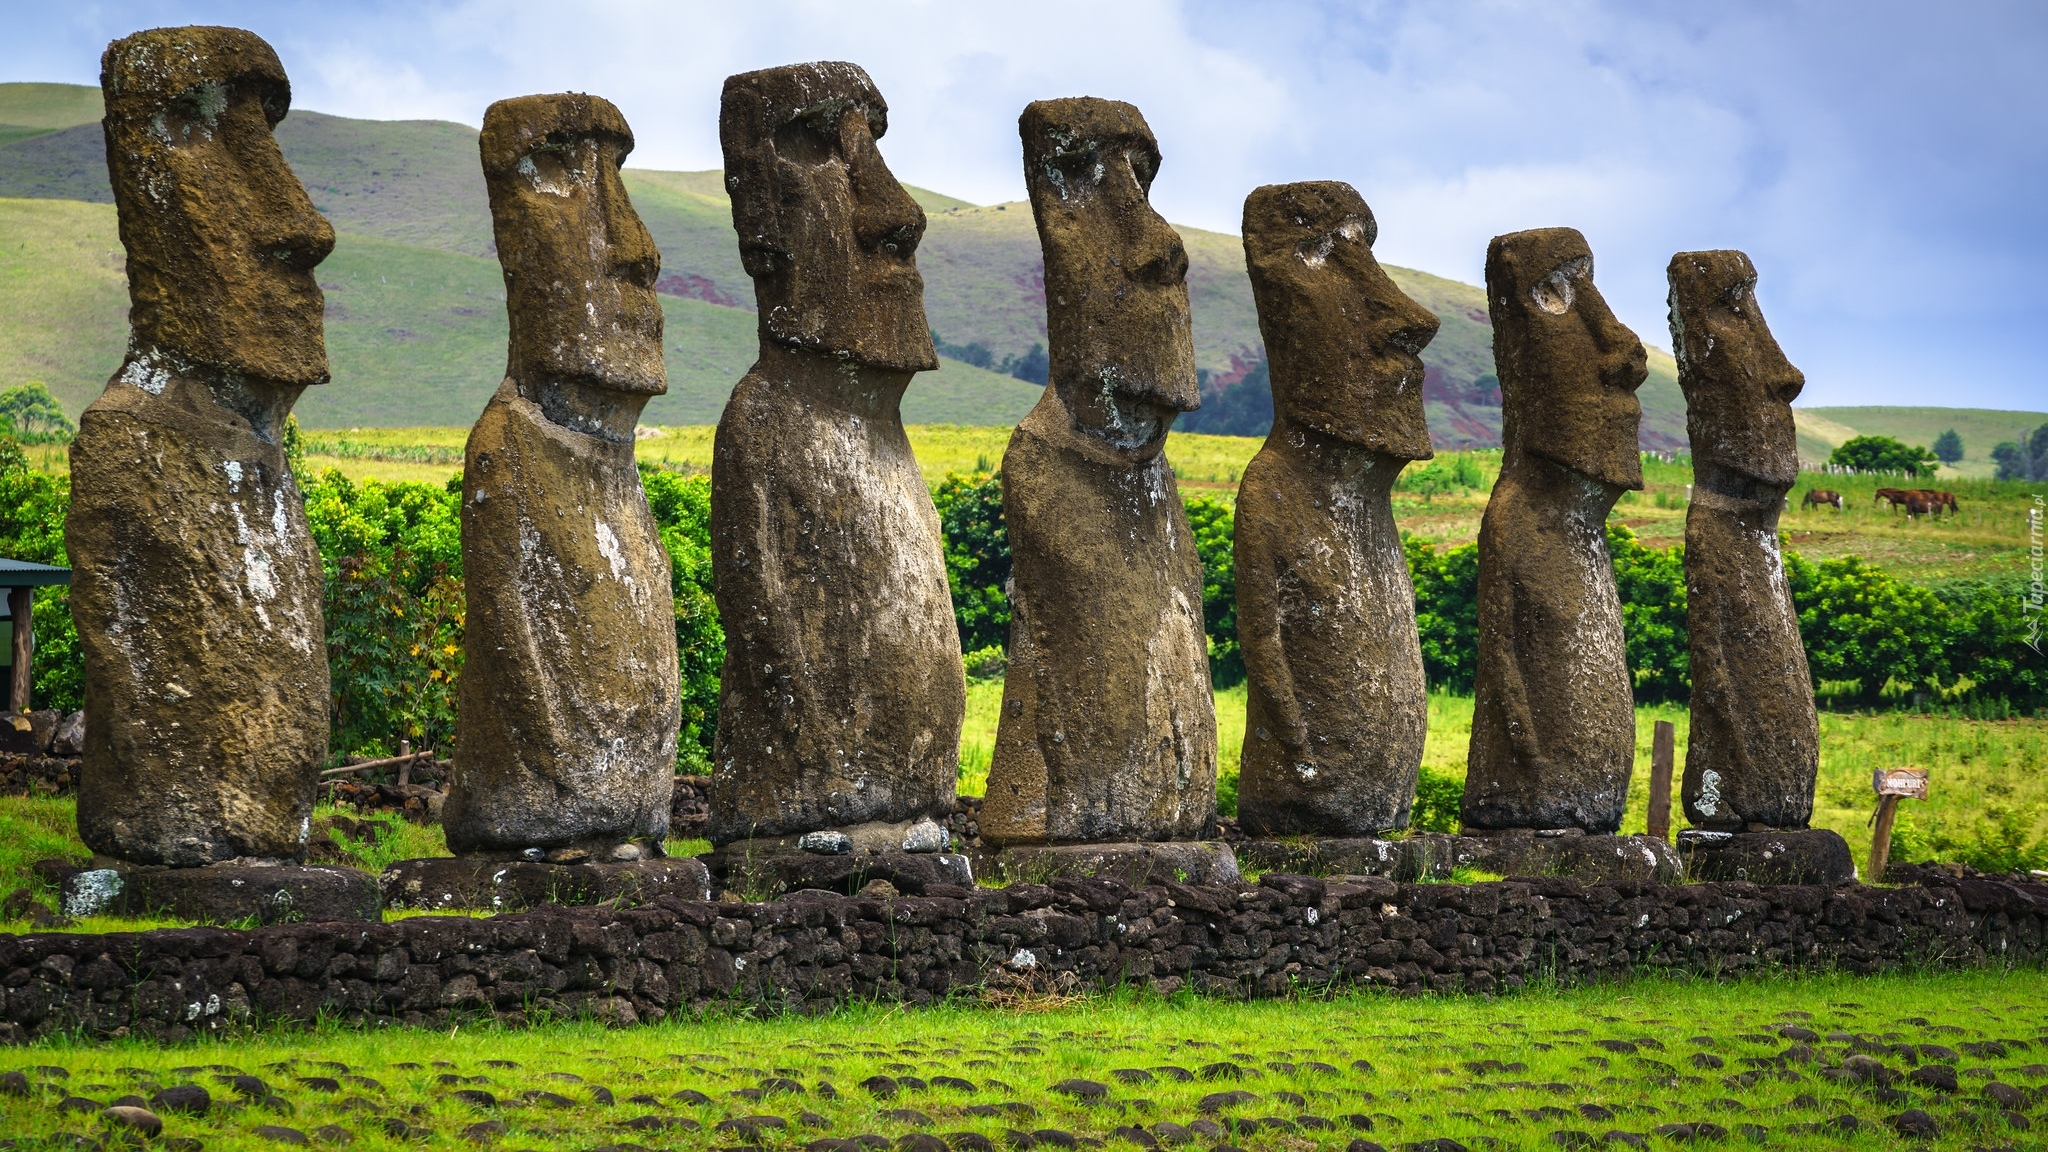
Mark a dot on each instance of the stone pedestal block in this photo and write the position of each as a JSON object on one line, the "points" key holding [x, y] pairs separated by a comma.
{"points": [[1802, 856], [223, 893], [757, 874], [1188, 862], [471, 882], [1642, 859]]}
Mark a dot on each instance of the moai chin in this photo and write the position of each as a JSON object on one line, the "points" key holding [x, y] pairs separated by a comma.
{"points": [[569, 698], [1754, 752], [196, 585], [1108, 729], [1553, 725], [1337, 705], [843, 693]]}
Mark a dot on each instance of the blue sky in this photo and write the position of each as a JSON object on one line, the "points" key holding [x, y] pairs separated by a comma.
{"points": [[1884, 163]]}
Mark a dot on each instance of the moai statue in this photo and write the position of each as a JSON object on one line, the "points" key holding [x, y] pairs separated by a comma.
{"points": [[1754, 751], [1553, 723], [196, 585], [569, 699], [1108, 729], [1337, 706], [843, 691]]}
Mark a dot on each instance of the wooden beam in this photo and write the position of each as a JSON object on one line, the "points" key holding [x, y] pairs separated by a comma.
{"points": [[1663, 749], [21, 606]]}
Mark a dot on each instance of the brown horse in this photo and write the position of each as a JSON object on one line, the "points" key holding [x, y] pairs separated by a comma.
{"points": [[1896, 497], [1821, 496], [1922, 503]]}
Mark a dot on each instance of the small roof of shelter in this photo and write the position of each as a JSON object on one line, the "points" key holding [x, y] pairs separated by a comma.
{"points": [[25, 574]]}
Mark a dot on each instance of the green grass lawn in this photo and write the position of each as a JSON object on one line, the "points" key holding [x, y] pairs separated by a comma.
{"points": [[1506, 1072]]}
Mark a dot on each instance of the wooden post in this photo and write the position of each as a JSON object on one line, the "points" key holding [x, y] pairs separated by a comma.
{"points": [[1663, 749], [21, 606], [1881, 841], [405, 766]]}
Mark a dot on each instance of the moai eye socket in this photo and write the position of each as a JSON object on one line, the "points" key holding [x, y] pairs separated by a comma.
{"points": [[811, 137]]}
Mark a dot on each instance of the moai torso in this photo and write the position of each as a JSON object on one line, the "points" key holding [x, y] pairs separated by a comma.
{"points": [[1553, 724], [1754, 749], [1108, 729], [843, 694], [1336, 706], [569, 698], [196, 586]]}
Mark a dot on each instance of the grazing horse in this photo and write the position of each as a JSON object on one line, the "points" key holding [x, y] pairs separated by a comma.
{"points": [[1821, 496], [1941, 499], [1896, 497], [1923, 502]]}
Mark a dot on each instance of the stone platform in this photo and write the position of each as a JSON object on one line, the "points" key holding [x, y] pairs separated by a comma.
{"points": [[221, 893], [469, 882], [747, 868], [1798, 856], [1433, 856], [1136, 864]]}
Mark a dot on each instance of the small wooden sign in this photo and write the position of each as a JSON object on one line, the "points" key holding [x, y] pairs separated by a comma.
{"points": [[1907, 782]]}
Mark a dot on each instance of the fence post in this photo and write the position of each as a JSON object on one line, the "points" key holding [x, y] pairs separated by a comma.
{"points": [[1663, 749], [1881, 840]]}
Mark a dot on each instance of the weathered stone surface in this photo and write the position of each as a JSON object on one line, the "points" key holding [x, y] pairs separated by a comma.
{"points": [[1187, 862], [843, 692], [1553, 724], [1337, 705], [448, 882], [1802, 856], [1754, 753], [224, 893], [1588, 859], [742, 866], [196, 586], [1108, 731], [569, 699]]}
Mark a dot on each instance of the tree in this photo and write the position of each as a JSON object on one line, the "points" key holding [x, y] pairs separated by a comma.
{"points": [[1033, 367], [1241, 409], [1948, 447], [1884, 454], [2025, 459], [35, 415]]}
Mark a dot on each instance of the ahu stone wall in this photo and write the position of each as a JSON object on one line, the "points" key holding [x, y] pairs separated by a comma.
{"points": [[1285, 935]]}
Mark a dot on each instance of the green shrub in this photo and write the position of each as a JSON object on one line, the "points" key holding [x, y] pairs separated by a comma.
{"points": [[977, 556], [33, 416], [1214, 524], [1651, 582], [682, 507], [1860, 623], [1884, 454], [1446, 611], [2000, 840]]}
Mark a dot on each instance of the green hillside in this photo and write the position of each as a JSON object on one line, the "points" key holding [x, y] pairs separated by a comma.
{"points": [[1981, 429], [417, 332]]}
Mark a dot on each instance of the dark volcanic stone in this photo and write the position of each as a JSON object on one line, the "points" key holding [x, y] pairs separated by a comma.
{"points": [[1131, 1135], [1553, 726], [446, 882], [953, 1082], [828, 717], [1222, 1070], [969, 1142], [1167, 1132], [1133, 1075], [1174, 1072], [881, 1087], [475, 1097], [1804, 856], [1218, 1101], [1108, 724], [278, 1133], [1081, 1089], [1914, 1124], [78, 1104], [920, 1142], [1324, 606], [1057, 1137]]}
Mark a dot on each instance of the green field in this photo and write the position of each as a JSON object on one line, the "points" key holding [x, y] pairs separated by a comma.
{"points": [[1509, 1072]]}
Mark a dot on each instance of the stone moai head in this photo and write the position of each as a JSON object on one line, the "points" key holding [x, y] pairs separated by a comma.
{"points": [[221, 237], [1344, 343], [826, 232], [1117, 318], [579, 266], [1568, 369], [1738, 385]]}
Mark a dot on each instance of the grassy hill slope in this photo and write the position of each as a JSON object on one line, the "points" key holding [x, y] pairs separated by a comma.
{"points": [[407, 197], [1981, 429]]}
